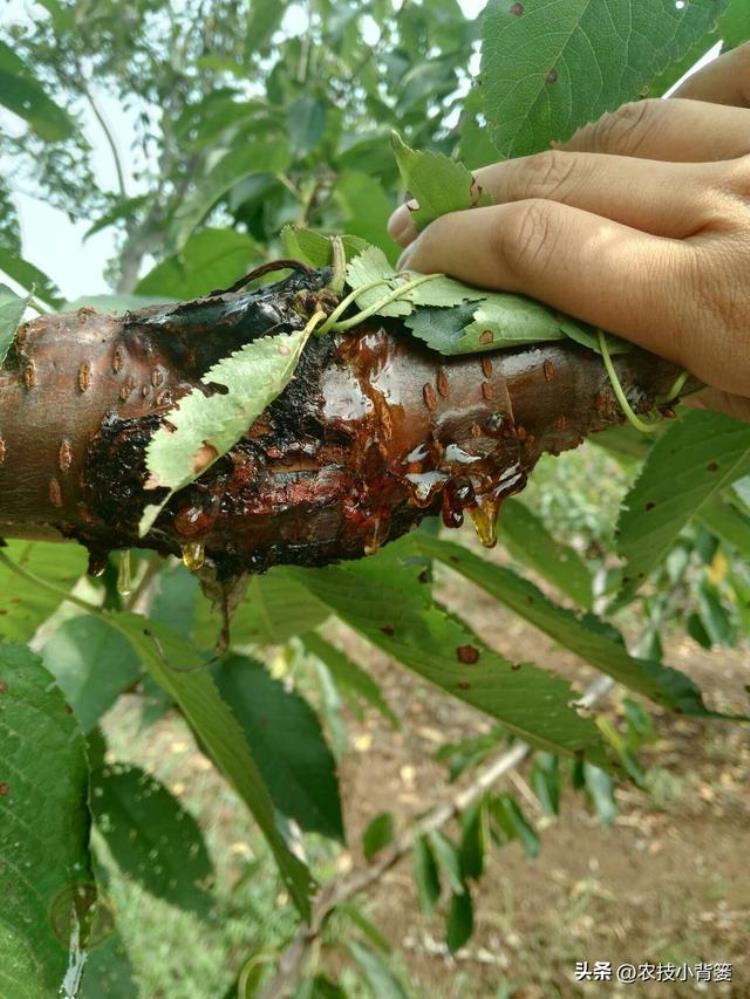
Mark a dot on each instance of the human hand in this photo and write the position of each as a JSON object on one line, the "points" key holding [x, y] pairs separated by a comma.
{"points": [[640, 224]]}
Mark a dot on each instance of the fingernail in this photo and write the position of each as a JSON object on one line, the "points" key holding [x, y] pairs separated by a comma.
{"points": [[400, 227]]}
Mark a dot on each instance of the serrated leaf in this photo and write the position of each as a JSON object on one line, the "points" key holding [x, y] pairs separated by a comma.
{"points": [[381, 600], [588, 637], [152, 837], [176, 666], [264, 156], [44, 832], [253, 376], [439, 185], [93, 665], [378, 834], [287, 743], [12, 309], [372, 265], [548, 68], [693, 462]]}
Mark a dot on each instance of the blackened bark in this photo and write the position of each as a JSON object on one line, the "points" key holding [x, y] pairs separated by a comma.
{"points": [[373, 433]]}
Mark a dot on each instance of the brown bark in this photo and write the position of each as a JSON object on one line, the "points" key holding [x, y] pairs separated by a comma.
{"points": [[373, 433]]}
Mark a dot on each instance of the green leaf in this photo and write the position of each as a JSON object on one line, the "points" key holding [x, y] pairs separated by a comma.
{"points": [[692, 463], [93, 664], [473, 840], [460, 924], [365, 210], [727, 523], [372, 265], [22, 94], [734, 24], [448, 860], [378, 834], [426, 875], [211, 259], [548, 68], [12, 309], [23, 604], [439, 185], [314, 248], [287, 743], [275, 609], [177, 668], [152, 837], [442, 318], [588, 637], [30, 278], [348, 676], [47, 883], [254, 376], [260, 156], [385, 604], [380, 977], [528, 540], [306, 122], [512, 821]]}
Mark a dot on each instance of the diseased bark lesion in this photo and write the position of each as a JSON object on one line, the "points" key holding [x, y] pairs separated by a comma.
{"points": [[374, 432]]}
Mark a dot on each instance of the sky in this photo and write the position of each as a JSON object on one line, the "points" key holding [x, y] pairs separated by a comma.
{"points": [[55, 244]]}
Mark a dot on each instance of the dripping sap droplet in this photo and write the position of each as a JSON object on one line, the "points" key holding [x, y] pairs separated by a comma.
{"points": [[484, 516], [193, 555]]}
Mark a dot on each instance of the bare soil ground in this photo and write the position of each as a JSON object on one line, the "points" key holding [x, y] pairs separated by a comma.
{"points": [[667, 882]]}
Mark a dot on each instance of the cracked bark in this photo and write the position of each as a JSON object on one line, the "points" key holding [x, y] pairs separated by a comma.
{"points": [[373, 433]]}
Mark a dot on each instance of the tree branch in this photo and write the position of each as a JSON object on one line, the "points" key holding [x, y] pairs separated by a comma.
{"points": [[373, 433]]}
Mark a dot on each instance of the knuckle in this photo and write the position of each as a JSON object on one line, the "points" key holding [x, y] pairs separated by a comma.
{"points": [[737, 177], [625, 129], [525, 241], [548, 174], [714, 303]]}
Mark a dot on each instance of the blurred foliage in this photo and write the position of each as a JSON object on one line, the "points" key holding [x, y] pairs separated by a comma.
{"points": [[232, 120]]}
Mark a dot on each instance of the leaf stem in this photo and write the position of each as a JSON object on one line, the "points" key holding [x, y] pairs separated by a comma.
{"points": [[349, 300], [393, 296], [633, 419]]}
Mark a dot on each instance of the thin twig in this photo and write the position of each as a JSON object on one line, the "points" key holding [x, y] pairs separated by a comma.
{"points": [[294, 959]]}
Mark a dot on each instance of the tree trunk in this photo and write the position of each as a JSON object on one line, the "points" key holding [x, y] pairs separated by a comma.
{"points": [[373, 433]]}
